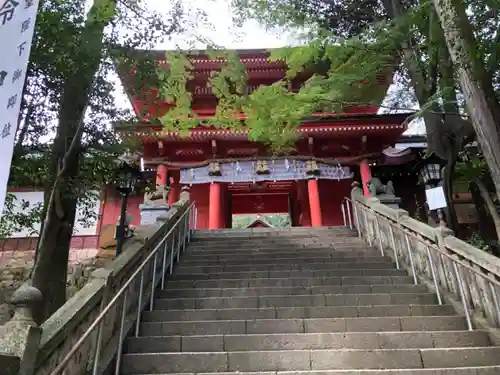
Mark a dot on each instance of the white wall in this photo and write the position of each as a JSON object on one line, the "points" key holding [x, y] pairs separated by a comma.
{"points": [[35, 197]]}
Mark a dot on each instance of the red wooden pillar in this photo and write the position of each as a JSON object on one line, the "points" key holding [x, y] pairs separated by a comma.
{"points": [[366, 175], [161, 174], [214, 209], [175, 190], [223, 206], [314, 203]]}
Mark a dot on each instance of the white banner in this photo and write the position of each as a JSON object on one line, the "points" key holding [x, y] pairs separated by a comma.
{"points": [[17, 24]]}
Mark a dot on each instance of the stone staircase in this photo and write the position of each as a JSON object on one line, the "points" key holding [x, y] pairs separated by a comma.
{"points": [[302, 301]]}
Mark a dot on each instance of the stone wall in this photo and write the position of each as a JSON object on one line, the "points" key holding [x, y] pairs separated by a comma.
{"points": [[15, 269]]}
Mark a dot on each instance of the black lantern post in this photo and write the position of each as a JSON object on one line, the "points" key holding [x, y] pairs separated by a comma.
{"points": [[126, 178], [432, 176], [431, 171]]}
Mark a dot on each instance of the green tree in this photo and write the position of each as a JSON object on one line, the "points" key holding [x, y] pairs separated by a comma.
{"points": [[273, 112], [475, 80], [65, 144], [418, 41]]}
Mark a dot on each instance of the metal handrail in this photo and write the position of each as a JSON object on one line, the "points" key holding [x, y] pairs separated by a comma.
{"points": [[346, 213], [184, 225], [458, 262]]}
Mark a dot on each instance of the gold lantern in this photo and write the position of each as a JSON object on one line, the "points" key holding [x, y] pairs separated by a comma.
{"points": [[262, 167], [214, 169], [312, 168]]}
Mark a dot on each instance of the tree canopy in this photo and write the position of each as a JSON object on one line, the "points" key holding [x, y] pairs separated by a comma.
{"points": [[274, 112], [65, 142]]}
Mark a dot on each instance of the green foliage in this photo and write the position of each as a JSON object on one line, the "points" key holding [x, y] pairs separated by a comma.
{"points": [[471, 170], [477, 241], [174, 91], [62, 46], [345, 73], [19, 216]]}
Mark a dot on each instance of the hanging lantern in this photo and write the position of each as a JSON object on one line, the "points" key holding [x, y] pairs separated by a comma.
{"points": [[312, 168], [214, 169], [262, 167], [431, 171]]}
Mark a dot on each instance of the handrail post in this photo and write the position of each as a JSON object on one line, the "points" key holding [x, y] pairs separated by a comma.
{"points": [[434, 274], [21, 335], [410, 257], [164, 265], [349, 216], [461, 289], [343, 213], [393, 242], [379, 233], [367, 229], [356, 217]]}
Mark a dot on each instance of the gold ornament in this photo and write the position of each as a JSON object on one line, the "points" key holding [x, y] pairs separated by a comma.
{"points": [[214, 169], [312, 168], [262, 167]]}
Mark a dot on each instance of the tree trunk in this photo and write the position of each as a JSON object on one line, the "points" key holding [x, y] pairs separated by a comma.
{"points": [[480, 101], [449, 168], [51, 267], [488, 218], [488, 202], [50, 271]]}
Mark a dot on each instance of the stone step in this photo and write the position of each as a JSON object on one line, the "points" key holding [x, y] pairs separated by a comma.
{"points": [[483, 370], [311, 341], [300, 290], [290, 281], [246, 232], [298, 312], [293, 360], [297, 300], [186, 269], [312, 325], [288, 274], [278, 240], [299, 258], [221, 232], [270, 233], [260, 245], [282, 253], [334, 241]]}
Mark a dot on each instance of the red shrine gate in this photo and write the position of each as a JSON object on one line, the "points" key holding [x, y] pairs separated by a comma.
{"points": [[227, 174]]}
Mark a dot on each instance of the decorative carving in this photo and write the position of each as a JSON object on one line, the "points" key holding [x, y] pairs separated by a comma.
{"points": [[377, 188], [160, 195], [312, 168], [185, 194], [262, 167], [214, 169]]}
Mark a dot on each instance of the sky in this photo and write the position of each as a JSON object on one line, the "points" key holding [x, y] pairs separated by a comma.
{"points": [[222, 32]]}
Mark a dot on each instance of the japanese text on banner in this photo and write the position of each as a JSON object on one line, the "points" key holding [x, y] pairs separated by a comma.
{"points": [[17, 25]]}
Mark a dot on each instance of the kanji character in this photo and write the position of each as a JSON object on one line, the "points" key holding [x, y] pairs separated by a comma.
{"points": [[16, 75], [3, 75], [20, 47], [6, 130], [7, 10], [12, 101], [25, 25]]}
